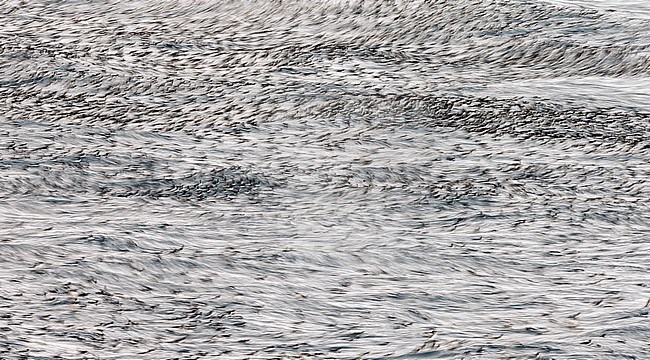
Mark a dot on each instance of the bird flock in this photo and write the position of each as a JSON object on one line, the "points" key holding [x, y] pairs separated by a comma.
{"points": [[323, 179]]}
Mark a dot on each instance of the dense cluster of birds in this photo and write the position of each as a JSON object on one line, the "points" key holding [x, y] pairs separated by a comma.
{"points": [[320, 179]]}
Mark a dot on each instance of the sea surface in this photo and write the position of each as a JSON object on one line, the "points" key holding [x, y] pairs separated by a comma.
{"points": [[313, 179]]}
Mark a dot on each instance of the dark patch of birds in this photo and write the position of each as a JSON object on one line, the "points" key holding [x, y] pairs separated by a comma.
{"points": [[225, 183]]}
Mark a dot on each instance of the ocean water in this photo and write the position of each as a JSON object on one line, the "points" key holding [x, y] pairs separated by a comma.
{"points": [[271, 179]]}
